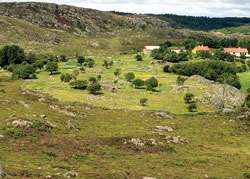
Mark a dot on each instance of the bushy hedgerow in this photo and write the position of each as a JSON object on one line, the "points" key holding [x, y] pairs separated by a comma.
{"points": [[213, 70]]}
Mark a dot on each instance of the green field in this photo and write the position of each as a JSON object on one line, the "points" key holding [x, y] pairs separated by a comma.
{"points": [[126, 96], [93, 144], [245, 80]]}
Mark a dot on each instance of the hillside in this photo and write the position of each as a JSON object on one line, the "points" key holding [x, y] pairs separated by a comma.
{"points": [[244, 29], [75, 19]]}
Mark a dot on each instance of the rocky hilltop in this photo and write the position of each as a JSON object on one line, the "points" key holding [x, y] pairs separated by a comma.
{"points": [[76, 19]]}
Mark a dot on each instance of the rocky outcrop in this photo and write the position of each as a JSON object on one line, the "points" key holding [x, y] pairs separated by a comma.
{"points": [[216, 94]]}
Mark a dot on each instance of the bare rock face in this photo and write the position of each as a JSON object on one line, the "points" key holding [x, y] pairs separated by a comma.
{"points": [[217, 94]]}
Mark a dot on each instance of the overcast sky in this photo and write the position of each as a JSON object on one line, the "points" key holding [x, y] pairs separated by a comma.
{"points": [[212, 8]]}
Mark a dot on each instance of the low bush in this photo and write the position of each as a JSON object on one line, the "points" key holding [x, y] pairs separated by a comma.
{"points": [[24, 71], [138, 83], [130, 76], [79, 84], [143, 101], [138, 57], [94, 88], [66, 77]]}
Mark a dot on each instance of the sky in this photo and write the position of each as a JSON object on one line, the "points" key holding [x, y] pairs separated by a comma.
{"points": [[211, 8]]}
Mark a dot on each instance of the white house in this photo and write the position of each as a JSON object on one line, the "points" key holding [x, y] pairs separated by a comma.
{"points": [[237, 51], [149, 49]]}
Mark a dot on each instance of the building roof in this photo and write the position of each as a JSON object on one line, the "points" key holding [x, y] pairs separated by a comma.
{"points": [[236, 50], [151, 47], [202, 48]]}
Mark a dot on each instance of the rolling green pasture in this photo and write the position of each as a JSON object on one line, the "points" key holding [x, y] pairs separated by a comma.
{"points": [[126, 97], [218, 145]]}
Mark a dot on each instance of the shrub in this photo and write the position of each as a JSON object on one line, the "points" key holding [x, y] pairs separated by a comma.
{"points": [[89, 62], [39, 64], [75, 73], [143, 101], [138, 83], [52, 67], [108, 64], [189, 98], [62, 58], [130, 76], [94, 88], [93, 80], [221, 55], [243, 56], [24, 71], [151, 83], [79, 84], [138, 57], [248, 64], [166, 68], [80, 60], [248, 90], [117, 72], [180, 80], [204, 55], [192, 107], [66, 77]]}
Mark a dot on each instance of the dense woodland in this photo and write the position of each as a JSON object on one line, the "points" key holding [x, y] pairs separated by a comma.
{"points": [[203, 23]]}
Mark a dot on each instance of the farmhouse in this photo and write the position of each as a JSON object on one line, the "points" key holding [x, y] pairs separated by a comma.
{"points": [[149, 49], [200, 48], [237, 51]]}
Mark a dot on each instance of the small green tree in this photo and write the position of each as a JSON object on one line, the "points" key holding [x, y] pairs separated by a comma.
{"points": [[94, 88], [143, 101], [151, 83], [92, 80], [89, 62], [52, 67], [138, 57], [130, 76]]}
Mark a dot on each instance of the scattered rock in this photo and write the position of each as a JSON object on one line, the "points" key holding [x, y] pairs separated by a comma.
{"points": [[24, 104], [164, 128], [71, 174], [43, 116], [2, 174], [1, 136], [64, 111], [20, 123], [41, 99], [245, 115], [176, 140], [163, 115], [137, 142], [148, 178], [228, 110]]}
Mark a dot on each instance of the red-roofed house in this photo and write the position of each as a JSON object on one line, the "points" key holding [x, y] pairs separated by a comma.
{"points": [[237, 51], [201, 48]]}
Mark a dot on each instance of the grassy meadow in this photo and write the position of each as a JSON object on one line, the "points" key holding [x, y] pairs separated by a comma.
{"points": [[91, 143], [126, 97]]}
